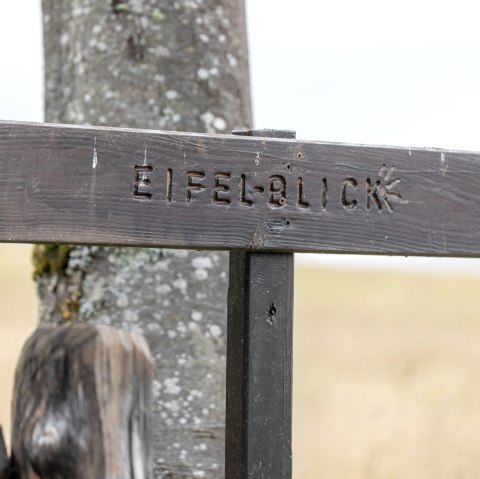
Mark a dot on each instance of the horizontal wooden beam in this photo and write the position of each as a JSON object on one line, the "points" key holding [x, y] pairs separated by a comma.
{"points": [[88, 185]]}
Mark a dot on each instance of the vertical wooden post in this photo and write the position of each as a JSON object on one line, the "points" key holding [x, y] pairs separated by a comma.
{"points": [[82, 405], [259, 361], [4, 460]]}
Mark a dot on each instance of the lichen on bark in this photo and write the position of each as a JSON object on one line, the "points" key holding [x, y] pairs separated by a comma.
{"points": [[157, 64], [49, 259]]}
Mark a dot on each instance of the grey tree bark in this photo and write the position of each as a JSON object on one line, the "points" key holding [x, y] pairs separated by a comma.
{"points": [[158, 64]]}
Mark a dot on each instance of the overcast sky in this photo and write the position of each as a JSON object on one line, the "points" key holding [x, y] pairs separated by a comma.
{"points": [[383, 72]]}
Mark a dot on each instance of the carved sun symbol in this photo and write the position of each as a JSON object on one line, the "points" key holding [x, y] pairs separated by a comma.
{"points": [[385, 191]]}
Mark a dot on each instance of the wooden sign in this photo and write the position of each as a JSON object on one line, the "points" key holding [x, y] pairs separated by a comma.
{"points": [[88, 185]]}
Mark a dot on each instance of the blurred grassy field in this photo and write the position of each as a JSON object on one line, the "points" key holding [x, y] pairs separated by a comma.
{"points": [[387, 369], [18, 306], [386, 378]]}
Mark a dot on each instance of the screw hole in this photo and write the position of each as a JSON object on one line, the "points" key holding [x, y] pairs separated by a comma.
{"points": [[299, 155], [287, 223], [282, 201], [289, 166]]}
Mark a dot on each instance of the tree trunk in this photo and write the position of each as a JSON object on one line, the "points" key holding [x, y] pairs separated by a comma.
{"points": [[158, 64]]}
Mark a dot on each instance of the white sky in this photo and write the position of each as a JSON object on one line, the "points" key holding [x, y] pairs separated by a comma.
{"points": [[393, 72], [383, 72]]}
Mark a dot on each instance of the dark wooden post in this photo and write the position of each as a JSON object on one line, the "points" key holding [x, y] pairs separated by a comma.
{"points": [[82, 405], [259, 361], [4, 461]]}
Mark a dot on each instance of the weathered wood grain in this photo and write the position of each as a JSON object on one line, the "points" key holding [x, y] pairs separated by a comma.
{"points": [[131, 187], [82, 405]]}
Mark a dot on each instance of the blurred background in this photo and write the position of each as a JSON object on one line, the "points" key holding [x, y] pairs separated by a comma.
{"points": [[387, 354]]}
